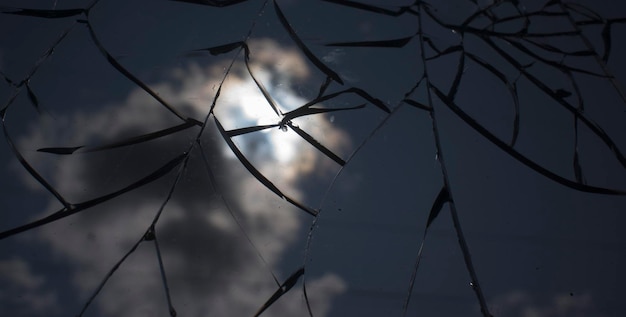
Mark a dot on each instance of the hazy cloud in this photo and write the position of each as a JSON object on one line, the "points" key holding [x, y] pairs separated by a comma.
{"points": [[24, 288], [523, 304], [211, 267]]}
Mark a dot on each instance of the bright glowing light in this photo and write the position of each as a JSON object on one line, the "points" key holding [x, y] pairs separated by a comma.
{"points": [[195, 228]]}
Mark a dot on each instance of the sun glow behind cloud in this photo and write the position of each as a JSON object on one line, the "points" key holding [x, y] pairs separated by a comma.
{"points": [[212, 268]]}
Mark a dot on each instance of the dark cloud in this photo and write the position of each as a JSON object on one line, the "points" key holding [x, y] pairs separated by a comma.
{"points": [[203, 230]]}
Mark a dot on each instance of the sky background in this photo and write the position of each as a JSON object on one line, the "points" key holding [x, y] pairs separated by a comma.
{"points": [[539, 249]]}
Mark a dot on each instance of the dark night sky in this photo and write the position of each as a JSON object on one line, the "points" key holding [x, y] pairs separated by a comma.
{"points": [[540, 249]]}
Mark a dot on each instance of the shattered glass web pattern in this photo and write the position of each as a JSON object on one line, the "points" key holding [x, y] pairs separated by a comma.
{"points": [[218, 176]]}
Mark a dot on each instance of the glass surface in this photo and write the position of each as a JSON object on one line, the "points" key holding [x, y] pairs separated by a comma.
{"points": [[312, 158]]}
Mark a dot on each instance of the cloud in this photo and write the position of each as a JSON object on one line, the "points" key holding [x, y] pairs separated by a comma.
{"points": [[523, 304], [211, 267], [23, 288]]}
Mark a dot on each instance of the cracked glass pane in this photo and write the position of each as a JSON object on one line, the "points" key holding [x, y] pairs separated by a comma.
{"points": [[312, 158]]}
